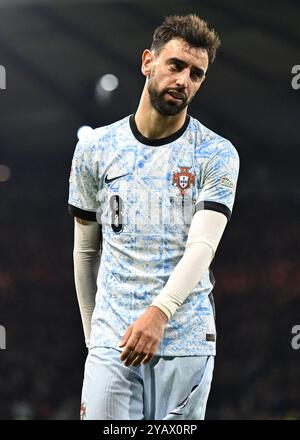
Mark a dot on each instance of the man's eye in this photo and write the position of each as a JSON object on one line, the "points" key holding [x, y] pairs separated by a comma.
{"points": [[197, 75], [175, 66]]}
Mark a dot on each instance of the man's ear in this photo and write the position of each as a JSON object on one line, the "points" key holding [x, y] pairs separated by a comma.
{"points": [[147, 58]]}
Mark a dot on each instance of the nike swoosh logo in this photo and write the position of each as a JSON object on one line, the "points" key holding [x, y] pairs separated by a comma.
{"points": [[106, 180]]}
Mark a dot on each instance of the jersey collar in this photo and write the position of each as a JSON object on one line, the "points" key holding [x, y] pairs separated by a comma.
{"points": [[157, 142]]}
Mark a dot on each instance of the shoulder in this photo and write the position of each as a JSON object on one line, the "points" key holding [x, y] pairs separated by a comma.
{"points": [[86, 144], [107, 132], [97, 139], [209, 144]]}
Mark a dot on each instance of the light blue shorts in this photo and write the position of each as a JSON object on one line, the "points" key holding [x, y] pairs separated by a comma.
{"points": [[166, 388]]}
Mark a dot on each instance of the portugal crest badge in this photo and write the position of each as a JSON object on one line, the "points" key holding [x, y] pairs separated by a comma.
{"points": [[183, 179]]}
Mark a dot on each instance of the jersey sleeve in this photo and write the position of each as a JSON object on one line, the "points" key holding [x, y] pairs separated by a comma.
{"points": [[219, 181], [83, 182]]}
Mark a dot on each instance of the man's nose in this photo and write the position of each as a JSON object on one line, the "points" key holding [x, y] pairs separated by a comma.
{"points": [[182, 78]]}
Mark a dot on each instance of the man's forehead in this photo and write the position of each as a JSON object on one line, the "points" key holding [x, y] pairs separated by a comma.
{"points": [[178, 48]]}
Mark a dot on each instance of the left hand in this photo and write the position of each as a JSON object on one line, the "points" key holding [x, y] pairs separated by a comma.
{"points": [[143, 337]]}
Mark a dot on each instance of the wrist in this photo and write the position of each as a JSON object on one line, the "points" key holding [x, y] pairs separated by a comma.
{"points": [[159, 313]]}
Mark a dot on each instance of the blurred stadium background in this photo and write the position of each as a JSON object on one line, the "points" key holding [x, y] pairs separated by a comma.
{"points": [[54, 54]]}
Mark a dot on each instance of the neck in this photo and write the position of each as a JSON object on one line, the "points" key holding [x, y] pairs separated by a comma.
{"points": [[152, 124]]}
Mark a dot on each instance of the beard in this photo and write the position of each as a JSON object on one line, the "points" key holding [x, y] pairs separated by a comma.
{"points": [[164, 106]]}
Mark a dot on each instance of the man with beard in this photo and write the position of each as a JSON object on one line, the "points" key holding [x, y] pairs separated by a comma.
{"points": [[151, 195]]}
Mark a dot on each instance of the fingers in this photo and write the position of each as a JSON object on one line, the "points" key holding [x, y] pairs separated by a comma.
{"points": [[150, 350], [141, 340], [125, 337], [140, 354], [134, 349], [145, 352], [136, 360], [147, 358], [129, 347]]}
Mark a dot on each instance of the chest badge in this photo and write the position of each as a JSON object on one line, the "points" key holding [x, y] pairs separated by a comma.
{"points": [[183, 179]]}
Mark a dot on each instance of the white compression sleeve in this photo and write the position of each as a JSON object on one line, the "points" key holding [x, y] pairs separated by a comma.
{"points": [[204, 236], [86, 256]]}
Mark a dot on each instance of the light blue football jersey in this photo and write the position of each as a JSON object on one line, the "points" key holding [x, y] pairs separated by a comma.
{"points": [[144, 194]]}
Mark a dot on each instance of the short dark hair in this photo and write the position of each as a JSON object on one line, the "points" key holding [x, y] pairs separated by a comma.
{"points": [[192, 29]]}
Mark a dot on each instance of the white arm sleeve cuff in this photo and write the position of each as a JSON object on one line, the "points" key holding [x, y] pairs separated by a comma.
{"points": [[204, 236], [86, 256]]}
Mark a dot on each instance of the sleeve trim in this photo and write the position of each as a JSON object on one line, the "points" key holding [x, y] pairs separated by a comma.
{"points": [[214, 206], [82, 213]]}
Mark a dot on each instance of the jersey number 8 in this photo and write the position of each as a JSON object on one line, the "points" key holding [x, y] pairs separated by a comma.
{"points": [[116, 204]]}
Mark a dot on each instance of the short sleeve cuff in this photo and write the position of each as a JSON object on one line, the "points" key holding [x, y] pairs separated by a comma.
{"points": [[82, 213], [214, 206]]}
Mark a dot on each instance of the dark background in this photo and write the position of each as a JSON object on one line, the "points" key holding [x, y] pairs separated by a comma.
{"points": [[54, 52]]}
